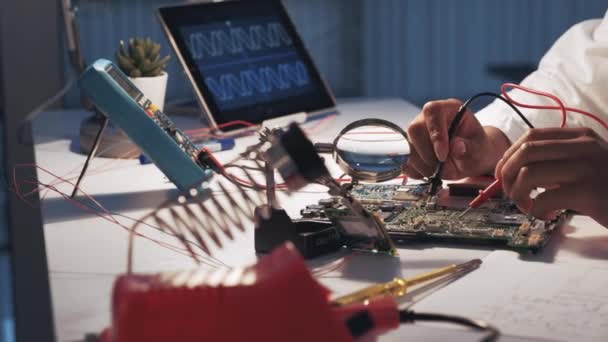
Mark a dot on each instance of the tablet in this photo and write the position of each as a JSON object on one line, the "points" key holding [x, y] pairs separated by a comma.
{"points": [[245, 60]]}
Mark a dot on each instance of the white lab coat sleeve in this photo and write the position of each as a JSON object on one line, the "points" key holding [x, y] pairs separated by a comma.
{"points": [[576, 70]]}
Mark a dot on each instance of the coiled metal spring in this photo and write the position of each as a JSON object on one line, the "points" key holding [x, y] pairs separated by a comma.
{"points": [[202, 218]]}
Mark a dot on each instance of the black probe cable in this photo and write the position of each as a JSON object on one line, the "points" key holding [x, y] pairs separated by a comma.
{"points": [[435, 180], [360, 323], [408, 316]]}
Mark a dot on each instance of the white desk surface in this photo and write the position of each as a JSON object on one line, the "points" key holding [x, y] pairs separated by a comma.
{"points": [[85, 252]]}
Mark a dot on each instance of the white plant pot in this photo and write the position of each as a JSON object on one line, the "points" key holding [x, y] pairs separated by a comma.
{"points": [[154, 88]]}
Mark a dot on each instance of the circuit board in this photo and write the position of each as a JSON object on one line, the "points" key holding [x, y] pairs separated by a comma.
{"points": [[407, 216]]}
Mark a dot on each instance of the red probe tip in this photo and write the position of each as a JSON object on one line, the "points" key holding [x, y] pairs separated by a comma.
{"points": [[486, 194]]}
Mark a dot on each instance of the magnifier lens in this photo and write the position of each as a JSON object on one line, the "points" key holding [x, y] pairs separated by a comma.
{"points": [[373, 153]]}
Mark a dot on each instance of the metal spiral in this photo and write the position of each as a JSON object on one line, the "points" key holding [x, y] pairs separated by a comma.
{"points": [[201, 219], [205, 277]]}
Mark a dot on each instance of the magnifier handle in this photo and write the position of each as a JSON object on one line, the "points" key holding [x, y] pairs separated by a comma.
{"points": [[324, 147]]}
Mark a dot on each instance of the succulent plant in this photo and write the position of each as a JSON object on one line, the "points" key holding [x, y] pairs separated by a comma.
{"points": [[141, 58]]}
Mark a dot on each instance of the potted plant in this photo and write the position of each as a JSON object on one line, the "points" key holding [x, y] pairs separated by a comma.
{"points": [[141, 61]]}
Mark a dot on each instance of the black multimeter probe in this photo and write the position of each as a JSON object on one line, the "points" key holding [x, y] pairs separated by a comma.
{"points": [[435, 181]]}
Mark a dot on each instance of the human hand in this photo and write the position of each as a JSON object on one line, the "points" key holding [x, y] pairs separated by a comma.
{"points": [[473, 150], [570, 163]]}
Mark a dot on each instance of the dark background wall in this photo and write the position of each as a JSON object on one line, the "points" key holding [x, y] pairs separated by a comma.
{"points": [[425, 49], [415, 49]]}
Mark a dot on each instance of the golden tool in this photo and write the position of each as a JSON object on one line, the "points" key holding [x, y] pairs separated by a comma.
{"points": [[398, 287]]}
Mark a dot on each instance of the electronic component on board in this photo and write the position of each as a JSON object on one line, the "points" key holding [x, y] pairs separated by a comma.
{"points": [[409, 218], [125, 105]]}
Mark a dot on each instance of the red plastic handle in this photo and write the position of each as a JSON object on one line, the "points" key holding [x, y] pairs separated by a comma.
{"points": [[486, 194]]}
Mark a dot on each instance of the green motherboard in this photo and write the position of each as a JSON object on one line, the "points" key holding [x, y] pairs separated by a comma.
{"points": [[407, 215]]}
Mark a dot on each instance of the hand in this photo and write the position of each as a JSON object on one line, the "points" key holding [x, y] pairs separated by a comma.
{"points": [[474, 150], [570, 163]]}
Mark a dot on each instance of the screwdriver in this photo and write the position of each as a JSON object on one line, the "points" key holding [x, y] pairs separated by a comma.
{"points": [[399, 286], [484, 196]]}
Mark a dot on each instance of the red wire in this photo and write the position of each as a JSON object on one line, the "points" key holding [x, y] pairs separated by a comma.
{"points": [[111, 218], [224, 125], [317, 126], [355, 133], [338, 264], [108, 215], [334, 266], [92, 171], [203, 132], [560, 105], [344, 179]]}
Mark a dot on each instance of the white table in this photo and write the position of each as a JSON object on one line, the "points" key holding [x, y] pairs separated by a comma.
{"points": [[85, 252]]}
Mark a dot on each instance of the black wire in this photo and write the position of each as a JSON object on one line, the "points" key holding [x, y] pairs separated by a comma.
{"points": [[500, 97], [435, 179], [408, 316]]}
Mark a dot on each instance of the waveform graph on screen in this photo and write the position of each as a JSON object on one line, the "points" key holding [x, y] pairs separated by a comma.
{"points": [[263, 80], [248, 62], [234, 39]]}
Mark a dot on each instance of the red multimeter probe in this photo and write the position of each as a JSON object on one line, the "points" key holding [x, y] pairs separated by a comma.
{"points": [[484, 196]]}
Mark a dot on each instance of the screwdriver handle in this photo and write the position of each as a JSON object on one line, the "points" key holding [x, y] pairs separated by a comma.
{"points": [[486, 194]]}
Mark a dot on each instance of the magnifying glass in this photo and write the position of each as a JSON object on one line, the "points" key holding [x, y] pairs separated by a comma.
{"points": [[371, 150]]}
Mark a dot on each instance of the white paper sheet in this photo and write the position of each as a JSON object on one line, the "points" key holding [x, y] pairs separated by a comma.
{"points": [[563, 297]]}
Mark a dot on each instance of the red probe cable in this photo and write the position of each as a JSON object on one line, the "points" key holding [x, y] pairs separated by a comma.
{"points": [[496, 187], [560, 106], [486, 194]]}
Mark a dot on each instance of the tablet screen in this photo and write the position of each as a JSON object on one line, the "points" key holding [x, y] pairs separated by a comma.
{"points": [[246, 60]]}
